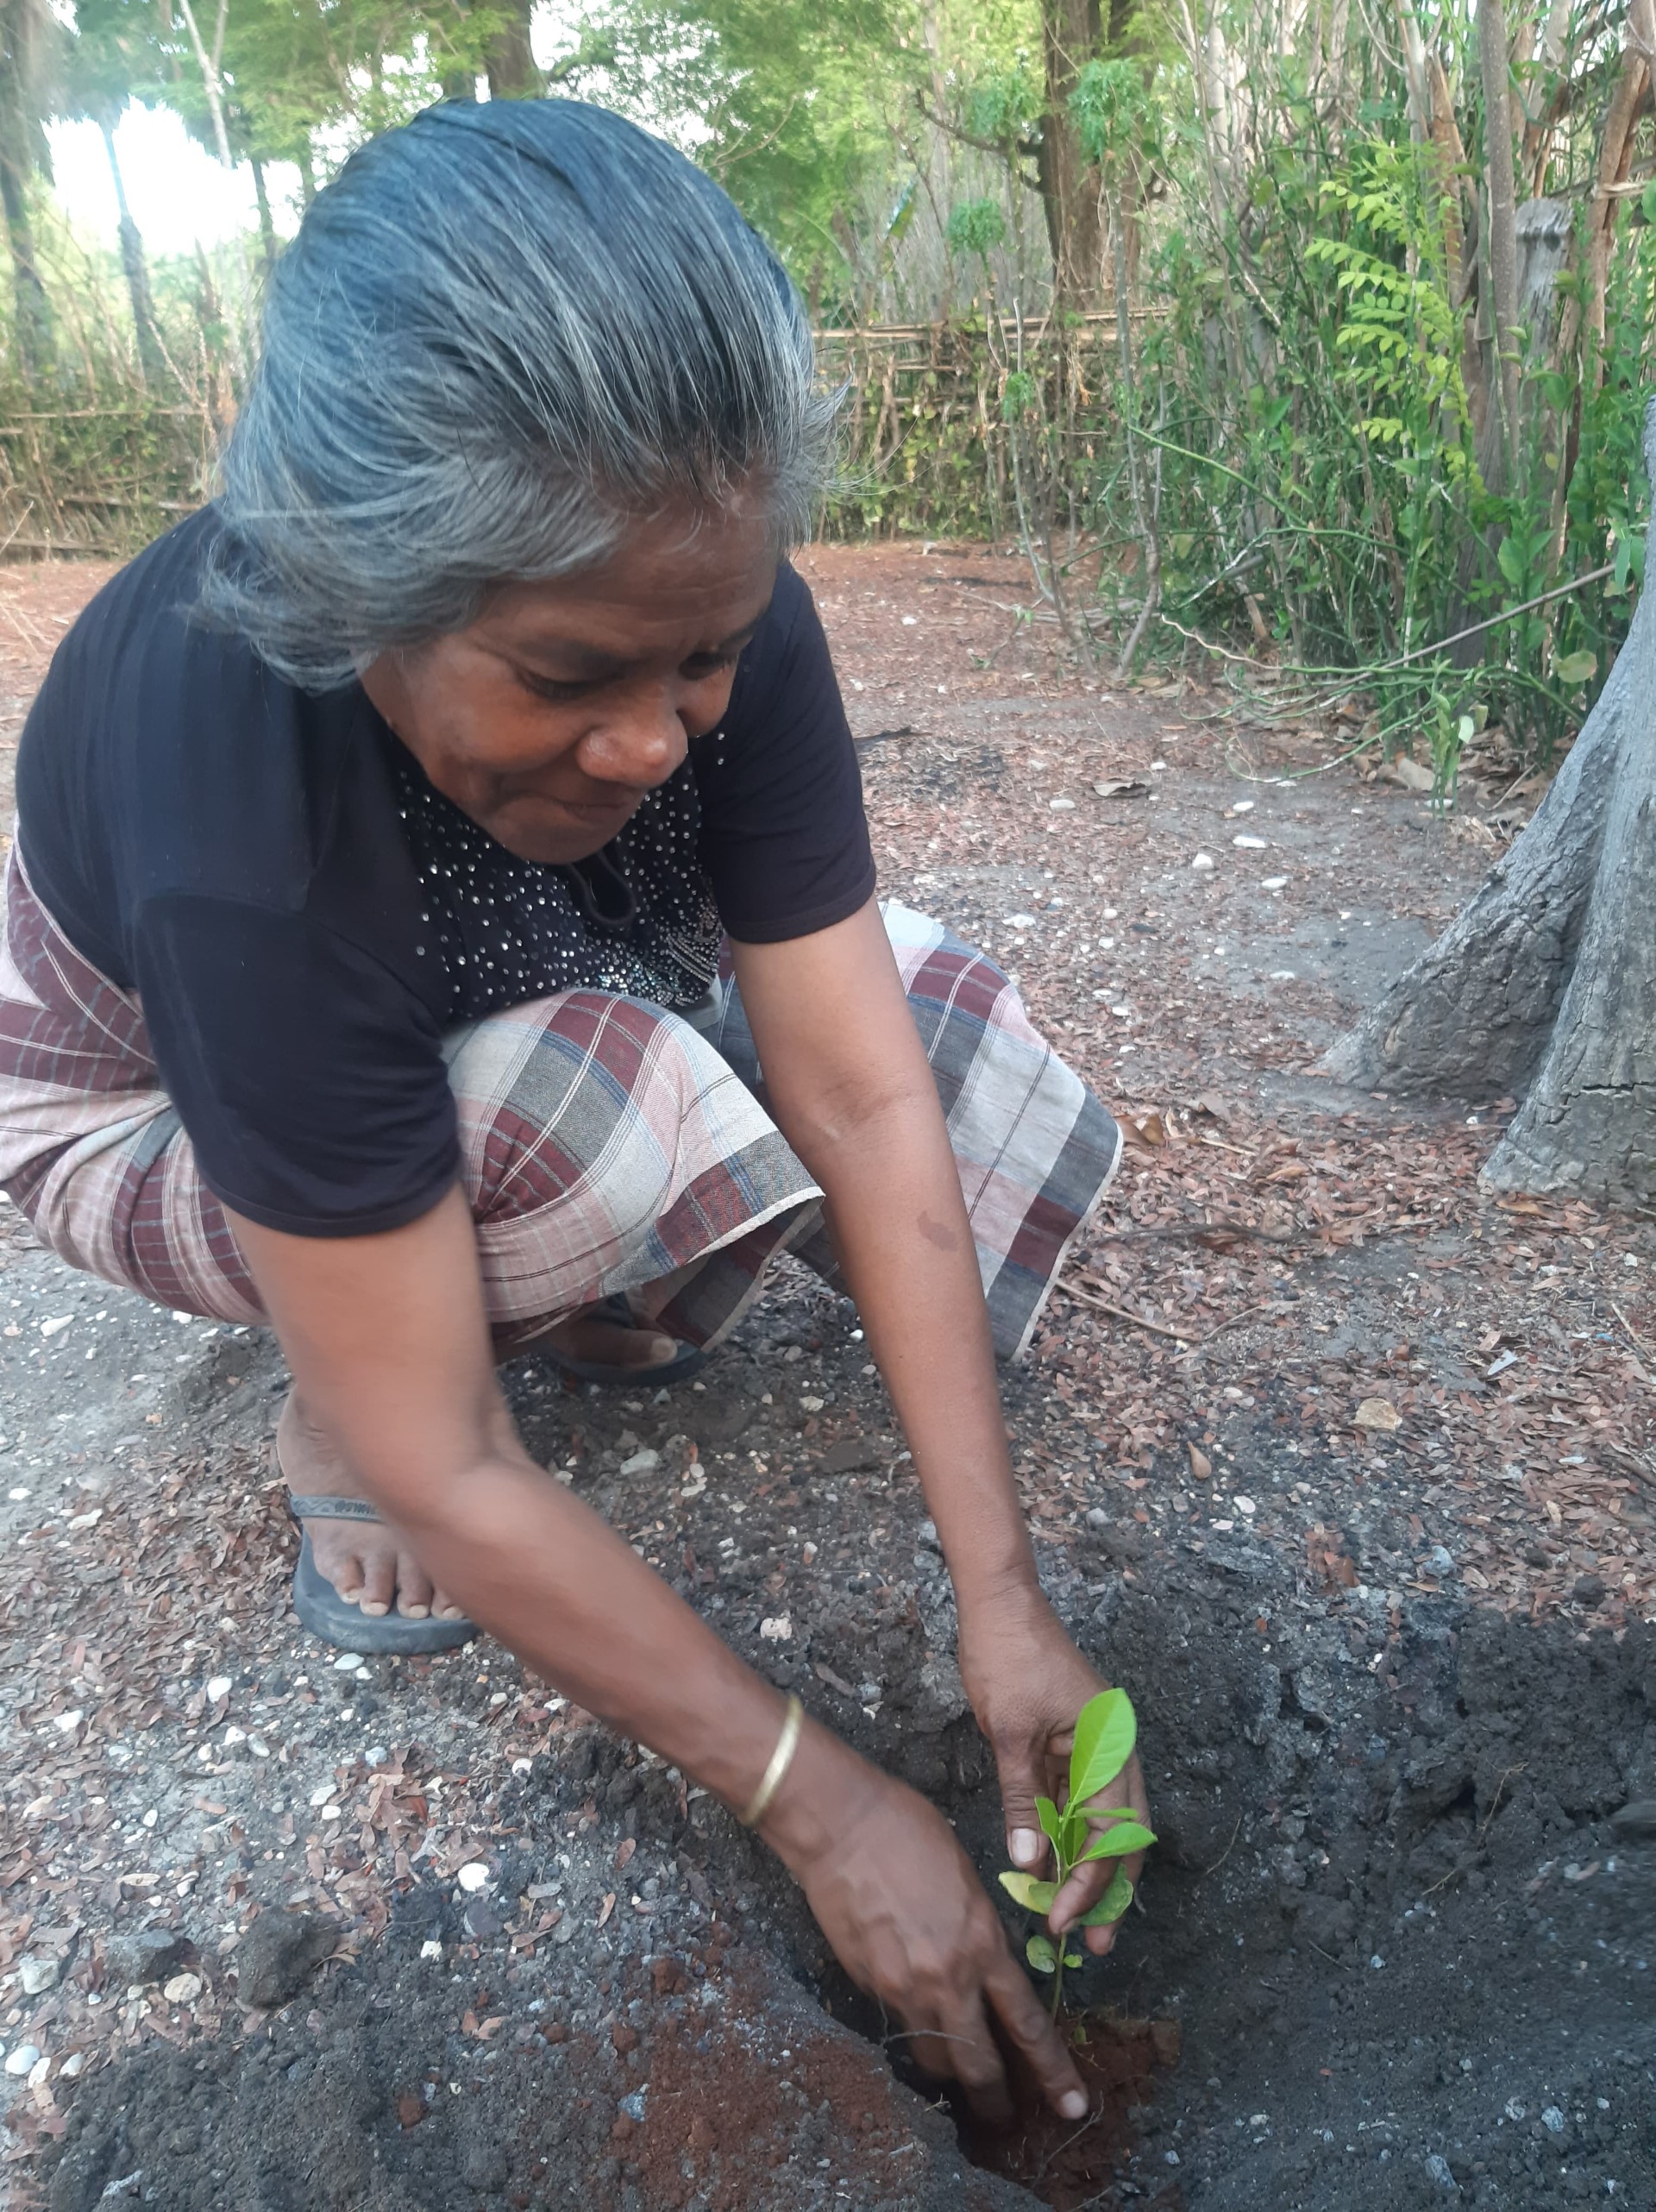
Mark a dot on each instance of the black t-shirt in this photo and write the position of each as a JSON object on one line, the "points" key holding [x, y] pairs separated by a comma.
{"points": [[304, 916]]}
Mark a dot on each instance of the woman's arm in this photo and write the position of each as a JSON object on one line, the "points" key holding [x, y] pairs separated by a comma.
{"points": [[849, 1084], [390, 1348]]}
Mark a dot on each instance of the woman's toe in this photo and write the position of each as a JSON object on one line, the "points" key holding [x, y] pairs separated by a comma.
{"points": [[413, 1589], [378, 1584], [445, 1606]]}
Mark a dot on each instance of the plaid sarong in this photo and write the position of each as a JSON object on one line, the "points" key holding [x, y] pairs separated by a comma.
{"points": [[606, 1145]]}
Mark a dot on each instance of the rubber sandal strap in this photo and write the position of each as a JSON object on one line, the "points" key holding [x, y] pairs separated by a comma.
{"points": [[323, 1508]]}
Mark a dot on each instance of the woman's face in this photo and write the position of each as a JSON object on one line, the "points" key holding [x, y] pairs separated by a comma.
{"points": [[550, 718]]}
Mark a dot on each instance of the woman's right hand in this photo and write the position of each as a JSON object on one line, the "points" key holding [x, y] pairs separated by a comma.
{"points": [[912, 1924]]}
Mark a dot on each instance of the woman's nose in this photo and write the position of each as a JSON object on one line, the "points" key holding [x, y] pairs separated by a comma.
{"points": [[640, 742]]}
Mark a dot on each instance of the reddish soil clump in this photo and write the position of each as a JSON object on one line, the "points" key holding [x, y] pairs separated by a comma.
{"points": [[1068, 2163]]}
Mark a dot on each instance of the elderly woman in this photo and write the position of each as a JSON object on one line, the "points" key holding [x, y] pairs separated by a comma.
{"points": [[420, 852]]}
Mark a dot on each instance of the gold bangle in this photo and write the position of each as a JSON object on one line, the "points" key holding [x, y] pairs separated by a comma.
{"points": [[780, 1760]]}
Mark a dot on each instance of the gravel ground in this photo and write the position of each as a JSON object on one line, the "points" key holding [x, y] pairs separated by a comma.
{"points": [[1342, 1466]]}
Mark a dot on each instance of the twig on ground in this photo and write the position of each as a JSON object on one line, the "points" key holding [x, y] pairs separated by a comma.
{"points": [[1224, 1855], [1246, 1314], [1120, 1312]]}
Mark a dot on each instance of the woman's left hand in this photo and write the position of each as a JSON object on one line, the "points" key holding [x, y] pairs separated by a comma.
{"points": [[1028, 1682]]}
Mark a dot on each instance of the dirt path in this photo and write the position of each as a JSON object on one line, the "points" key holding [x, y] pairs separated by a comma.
{"points": [[1395, 1679]]}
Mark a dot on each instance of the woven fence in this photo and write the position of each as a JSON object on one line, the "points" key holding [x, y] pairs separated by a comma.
{"points": [[926, 446]]}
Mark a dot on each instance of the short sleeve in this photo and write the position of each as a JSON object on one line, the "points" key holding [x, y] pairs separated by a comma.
{"points": [[309, 1080], [784, 837]]}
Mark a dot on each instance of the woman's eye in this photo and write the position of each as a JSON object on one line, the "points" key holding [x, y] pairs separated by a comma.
{"points": [[557, 693], [701, 666]]}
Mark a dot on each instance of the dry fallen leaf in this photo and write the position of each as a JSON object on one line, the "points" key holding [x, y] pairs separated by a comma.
{"points": [[609, 1906], [1201, 1466], [1378, 1416], [1127, 788], [624, 1850]]}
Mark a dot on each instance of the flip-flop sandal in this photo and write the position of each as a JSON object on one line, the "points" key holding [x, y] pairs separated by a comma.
{"points": [[685, 1362], [335, 1619]]}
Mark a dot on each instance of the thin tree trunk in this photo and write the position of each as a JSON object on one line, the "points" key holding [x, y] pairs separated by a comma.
{"points": [[152, 358], [211, 83], [1500, 261], [1070, 186], [509, 57], [266, 220], [1546, 982], [36, 329]]}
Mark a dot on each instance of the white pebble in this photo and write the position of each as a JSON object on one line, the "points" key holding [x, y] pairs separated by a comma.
{"points": [[68, 1722], [348, 1663], [327, 1791], [1249, 843], [1274, 883], [1244, 1505], [1062, 806], [23, 2060], [1203, 862], [644, 1462], [777, 1630], [810, 1405], [473, 1876], [218, 1685], [72, 2065], [431, 1948], [182, 1989], [36, 1974]]}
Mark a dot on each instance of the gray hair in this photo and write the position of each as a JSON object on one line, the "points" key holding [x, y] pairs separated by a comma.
{"points": [[504, 333]]}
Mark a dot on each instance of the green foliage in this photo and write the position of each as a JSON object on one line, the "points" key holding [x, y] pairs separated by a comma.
{"points": [[1083, 1830], [1115, 113], [976, 226]]}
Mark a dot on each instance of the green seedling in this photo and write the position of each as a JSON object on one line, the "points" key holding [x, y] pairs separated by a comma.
{"points": [[1105, 1731]]}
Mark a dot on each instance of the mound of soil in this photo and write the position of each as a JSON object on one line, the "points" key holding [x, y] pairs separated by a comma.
{"points": [[1409, 1957], [1069, 2165]]}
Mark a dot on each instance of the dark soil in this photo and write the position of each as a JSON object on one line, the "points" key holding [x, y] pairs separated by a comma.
{"points": [[1408, 1958], [1068, 2164]]}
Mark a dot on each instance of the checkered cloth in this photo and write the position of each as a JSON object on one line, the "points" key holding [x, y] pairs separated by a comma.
{"points": [[606, 1146]]}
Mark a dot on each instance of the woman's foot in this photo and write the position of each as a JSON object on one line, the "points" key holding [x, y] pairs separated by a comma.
{"points": [[596, 1338], [364, 1560]]}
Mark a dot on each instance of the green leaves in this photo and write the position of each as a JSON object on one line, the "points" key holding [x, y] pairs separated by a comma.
{"points": [[1575, 667], [1105, 1731], [1034, 1896], [976, 226], [1112, 1904], [1121, 1838], [1042, 1957]]}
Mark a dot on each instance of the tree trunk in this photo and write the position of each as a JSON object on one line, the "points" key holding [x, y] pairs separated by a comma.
{"points": [[36, 341], [1547, 982], [1500, 259], [152, 360], [1069, 182], [509, 57], [266, 220]]}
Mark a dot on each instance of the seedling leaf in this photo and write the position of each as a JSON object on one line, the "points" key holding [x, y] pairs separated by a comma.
{"points": [[1051, 1821], [1072, 1958], [1112, 1904], [1034, 1896], [1117, 1841], [1041, 1956], [1105, 1731]]}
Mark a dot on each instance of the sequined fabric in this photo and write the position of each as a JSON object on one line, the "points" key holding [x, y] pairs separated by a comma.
{"points": [[637, 918]]}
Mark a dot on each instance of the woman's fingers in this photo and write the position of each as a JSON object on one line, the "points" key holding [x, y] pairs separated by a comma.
{"points": [[976, 2064], [1024, 2022]]}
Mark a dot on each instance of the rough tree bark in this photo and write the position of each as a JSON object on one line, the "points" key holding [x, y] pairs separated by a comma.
{"points": [[1545, 983], [1070, 34], [152, 358]]}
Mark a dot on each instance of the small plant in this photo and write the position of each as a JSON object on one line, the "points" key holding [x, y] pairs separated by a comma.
{"points": [[1105, 1731]]}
